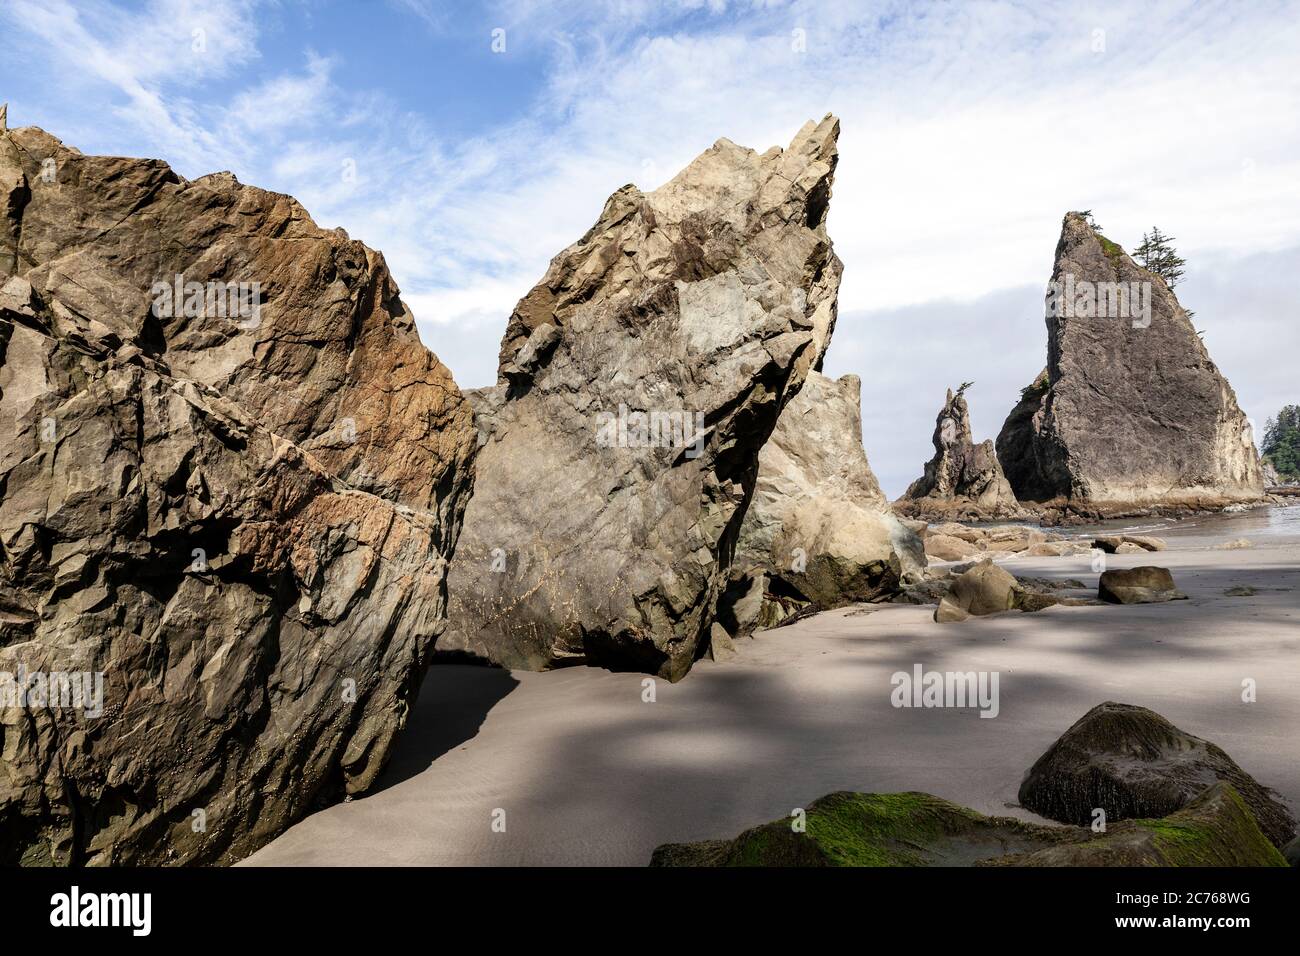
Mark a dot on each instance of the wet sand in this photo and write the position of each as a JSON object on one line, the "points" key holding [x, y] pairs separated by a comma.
{"points": [[588, 773]]}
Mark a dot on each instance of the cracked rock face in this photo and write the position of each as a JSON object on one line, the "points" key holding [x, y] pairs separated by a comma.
{"points": [[963, 479], [638, 382], [1130, 412], [819, 529], [231, 478]]}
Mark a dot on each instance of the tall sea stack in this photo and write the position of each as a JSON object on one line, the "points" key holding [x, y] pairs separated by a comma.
{"points": [[1130, 415]]}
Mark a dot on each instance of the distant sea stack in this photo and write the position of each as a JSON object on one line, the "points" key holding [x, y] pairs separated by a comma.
{"points": [[637, 383], [963, 480], [1130, 415]]}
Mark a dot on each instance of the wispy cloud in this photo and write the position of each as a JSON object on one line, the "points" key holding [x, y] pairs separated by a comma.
{"points": [[968, 130]]}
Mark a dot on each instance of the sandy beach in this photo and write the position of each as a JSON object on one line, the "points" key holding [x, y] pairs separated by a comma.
{"points": [[589, 773]]}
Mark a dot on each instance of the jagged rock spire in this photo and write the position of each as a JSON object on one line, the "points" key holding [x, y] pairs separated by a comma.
{"points": [[963, 478]]}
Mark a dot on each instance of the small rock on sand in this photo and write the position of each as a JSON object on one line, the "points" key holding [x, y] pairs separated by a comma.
{"points": [[1142, 585]]}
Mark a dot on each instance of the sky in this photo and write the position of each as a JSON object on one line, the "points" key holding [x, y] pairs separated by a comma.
{"points": [[471, 142]]}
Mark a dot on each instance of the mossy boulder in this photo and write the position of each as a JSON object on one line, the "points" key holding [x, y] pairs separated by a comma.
{"points": [[1132, 763], [918, 829], [873, 829], [1215, 829]]}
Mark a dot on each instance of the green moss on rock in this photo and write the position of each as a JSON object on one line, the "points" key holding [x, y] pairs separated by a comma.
{"points": [[1113, 250], [872, 829], [918, 829]]}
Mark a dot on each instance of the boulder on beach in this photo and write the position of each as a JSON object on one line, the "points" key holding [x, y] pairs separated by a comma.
{"points": [[952, 541], [1214, 829], [918, 829], [819, 533], [1141, 585], [871, 829], [946, 547], [1112, 543], [232, 479], [1130, 415], [988, 589], [963, 479], [1130, 762], [637, 383]]}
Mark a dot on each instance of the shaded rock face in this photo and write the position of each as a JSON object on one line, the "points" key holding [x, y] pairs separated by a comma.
{"points": [[638, 382], [1130, 413], [918, 829], [819, 531], [1131, 762], [233, 507], [962, 479]]}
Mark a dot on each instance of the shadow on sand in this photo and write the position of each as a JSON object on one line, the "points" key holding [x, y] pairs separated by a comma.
{"points": [[453, 703]]}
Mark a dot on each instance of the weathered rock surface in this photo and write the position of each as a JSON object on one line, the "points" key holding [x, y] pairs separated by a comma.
{"points": [[989, 589], [1146, 584], [236, 508], [950, 541], [819, 532], [918, 829], [597, 533], [1130, 416], [963, 479], [1131, 762], [1269, 472]]}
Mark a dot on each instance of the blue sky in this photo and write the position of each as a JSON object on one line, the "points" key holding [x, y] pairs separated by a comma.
{"points": [[968, 131]]}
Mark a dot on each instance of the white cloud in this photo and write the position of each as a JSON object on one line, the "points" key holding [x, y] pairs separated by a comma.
{"points": [[968, 130]]}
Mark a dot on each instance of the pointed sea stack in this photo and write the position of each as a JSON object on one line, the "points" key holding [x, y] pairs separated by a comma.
{"points": [[1130, 416]]}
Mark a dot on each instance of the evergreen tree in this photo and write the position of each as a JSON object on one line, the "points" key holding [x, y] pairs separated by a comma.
{"points": [[1281, 444], [1158, 255]]}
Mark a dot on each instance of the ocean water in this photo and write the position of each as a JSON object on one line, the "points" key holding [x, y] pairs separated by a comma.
{"points": [[1277, 525]]}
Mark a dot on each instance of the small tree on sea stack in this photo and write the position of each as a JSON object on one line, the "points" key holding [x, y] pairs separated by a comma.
{"points": [[1158, 255]]}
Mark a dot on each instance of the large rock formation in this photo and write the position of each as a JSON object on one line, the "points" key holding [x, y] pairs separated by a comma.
{"points": [[1130, 415], [1131, 762], [819, 531], [638, 382], [231, 478], [963, 479]]}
